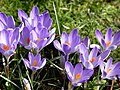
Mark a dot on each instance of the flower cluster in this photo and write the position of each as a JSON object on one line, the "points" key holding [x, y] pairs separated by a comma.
{"points": [[34, 34]]}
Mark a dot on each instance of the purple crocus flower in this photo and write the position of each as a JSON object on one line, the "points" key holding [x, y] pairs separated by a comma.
{"points": [[109, 42], [91, 60], [69, 44], [77, 75], [35, 62], [36, 20], [109, 71], [9, 41], [6, 22], [32, 39]]}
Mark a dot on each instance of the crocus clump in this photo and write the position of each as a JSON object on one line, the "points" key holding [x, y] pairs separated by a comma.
{"points": [[77, 75], [34, 62], [36, 27], [109, 70], [9, 41], [91, 60], [69, 44], [109, 42]]}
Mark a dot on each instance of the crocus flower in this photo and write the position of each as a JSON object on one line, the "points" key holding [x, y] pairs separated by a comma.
{"points": [[77, 75], [9, 41], [34, 62], [91, 60], [109, 70], [32, 39], [35, 20], [6, 22], [69, 44], [109, 42]]}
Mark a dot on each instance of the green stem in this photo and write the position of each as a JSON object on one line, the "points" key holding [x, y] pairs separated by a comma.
{"points": [[99, 81]]}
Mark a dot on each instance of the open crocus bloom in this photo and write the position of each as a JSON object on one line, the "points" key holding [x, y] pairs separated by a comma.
{"points": [[91, 60], [6, 22], [109, 71], [77, 75], [35, 19], [35, 62], [32, 39], [9, 41], [109, 42], [69, 43]]}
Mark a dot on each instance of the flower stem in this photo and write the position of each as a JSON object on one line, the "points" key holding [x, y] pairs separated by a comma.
{"points": [[70, 87], [112, 85], [7, 67]]}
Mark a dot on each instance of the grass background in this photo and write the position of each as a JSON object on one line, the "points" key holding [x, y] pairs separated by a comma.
{"points": [[86, 15]]}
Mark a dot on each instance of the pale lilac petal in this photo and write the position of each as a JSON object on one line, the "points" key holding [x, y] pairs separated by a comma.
{"points": [[108, 64], [31, 58], [38, 58], [43, 62], [2, 26], [88, 65], [50, 39], [4, 37], [22, 14], [112, 47], [93, 53], [82, 48], [43, 33], [99, 35], [69, 70], [64, 37], [108, 35], [78, 69], [27, 63], [57, 45], [34, 12]]}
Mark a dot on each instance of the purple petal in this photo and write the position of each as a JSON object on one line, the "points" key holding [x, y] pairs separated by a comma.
{"points": [[64, 38], [50, 39], [108, 35], [47, 20], [77, 70], [116, 37], [37, 58], [82, 48], [27, 63], [69, 70], [103, 43], [104, 55], [43, 33], [99, 35], [86, 41], [2, 26], [43, 62], [74, 38], [87, 73], [57, 45], [3, 18], [108, 64], [22, 14], [66, 48], [93, 53], [41, 44], [4, 37], [31, 58], [89, 65], [34, 12], [10, 22]]}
